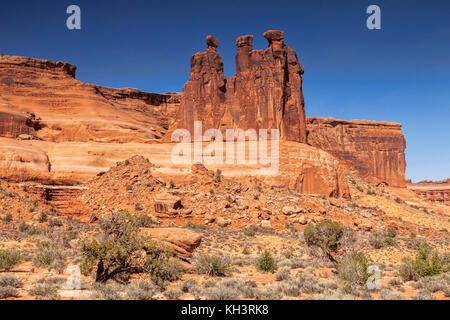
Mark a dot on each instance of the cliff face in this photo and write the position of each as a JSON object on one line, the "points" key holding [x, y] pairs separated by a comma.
{"points": [[376, 150], [42, 99], [265, 93], [435, 191]]}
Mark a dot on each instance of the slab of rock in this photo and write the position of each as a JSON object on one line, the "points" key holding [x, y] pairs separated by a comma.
{"points": [[167, 203], [182, 242], [290, 210]]}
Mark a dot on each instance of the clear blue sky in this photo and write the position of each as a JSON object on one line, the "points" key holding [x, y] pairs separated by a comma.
{"points": [[400, 73]]}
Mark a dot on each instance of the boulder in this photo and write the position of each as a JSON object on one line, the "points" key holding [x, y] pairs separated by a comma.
{"points": [[290, 210], [167, 203], [182, 242]]}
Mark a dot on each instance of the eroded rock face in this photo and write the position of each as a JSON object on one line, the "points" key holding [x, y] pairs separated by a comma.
{"points": [[21, 161], [69, 110], [203, 95], [182, 242], [265, 93], [435, 191], [376, 150]]}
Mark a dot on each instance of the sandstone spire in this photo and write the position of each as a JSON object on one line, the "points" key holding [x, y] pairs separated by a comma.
{"points": [[265, 93]]}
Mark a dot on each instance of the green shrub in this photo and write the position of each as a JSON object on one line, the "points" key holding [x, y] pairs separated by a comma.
{"points": [[425, 264], [48, 254], [119, 251], [353, 268], [9, 259], [213, 265], [7, 218], [325, 235], [266, 263]]}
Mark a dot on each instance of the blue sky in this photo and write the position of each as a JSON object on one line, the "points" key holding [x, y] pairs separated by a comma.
{"points": [[400, 73]]}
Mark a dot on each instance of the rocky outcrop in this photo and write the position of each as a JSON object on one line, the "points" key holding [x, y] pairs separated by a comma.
{"points": [[435, 191], [376, 150], [69, 110], [182, 242], [21, 161], [16, 125], [310, 171], [203, 96], [17, 62], [265, 93]]}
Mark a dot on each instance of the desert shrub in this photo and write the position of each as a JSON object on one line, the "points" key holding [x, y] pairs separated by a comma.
{"points": [[285, 263], [248, 289], [250, 231], [53, 281], [426, 263], [309, 285], [9, 259], [289, 288], [48, 254], [271, 293], [213, 265], [173, 294], [119, 251], [218, 176], [8, 292], [7, 218], [195, 226], [209, 283], [141, 290], [391, 232], [387, 294], [325, 235], [104, 291], [43, 217], [222, 293], [44, 291], [436, 283], [283, 274], [266, 263], [161, 267], [407, 270], [188, 285], [423, 295], [395, 282], [381, 240], [9, 280], [353, 268]]}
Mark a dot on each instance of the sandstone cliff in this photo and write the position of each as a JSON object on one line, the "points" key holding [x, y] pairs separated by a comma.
{"points": [[42, 99], [265, 93], [435, 191], [376, 150]]}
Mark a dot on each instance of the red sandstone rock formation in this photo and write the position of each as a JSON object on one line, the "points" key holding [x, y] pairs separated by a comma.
{"points": [[265, 93], [69, 110], [203, 95], [435, 191], [376, 150]]}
